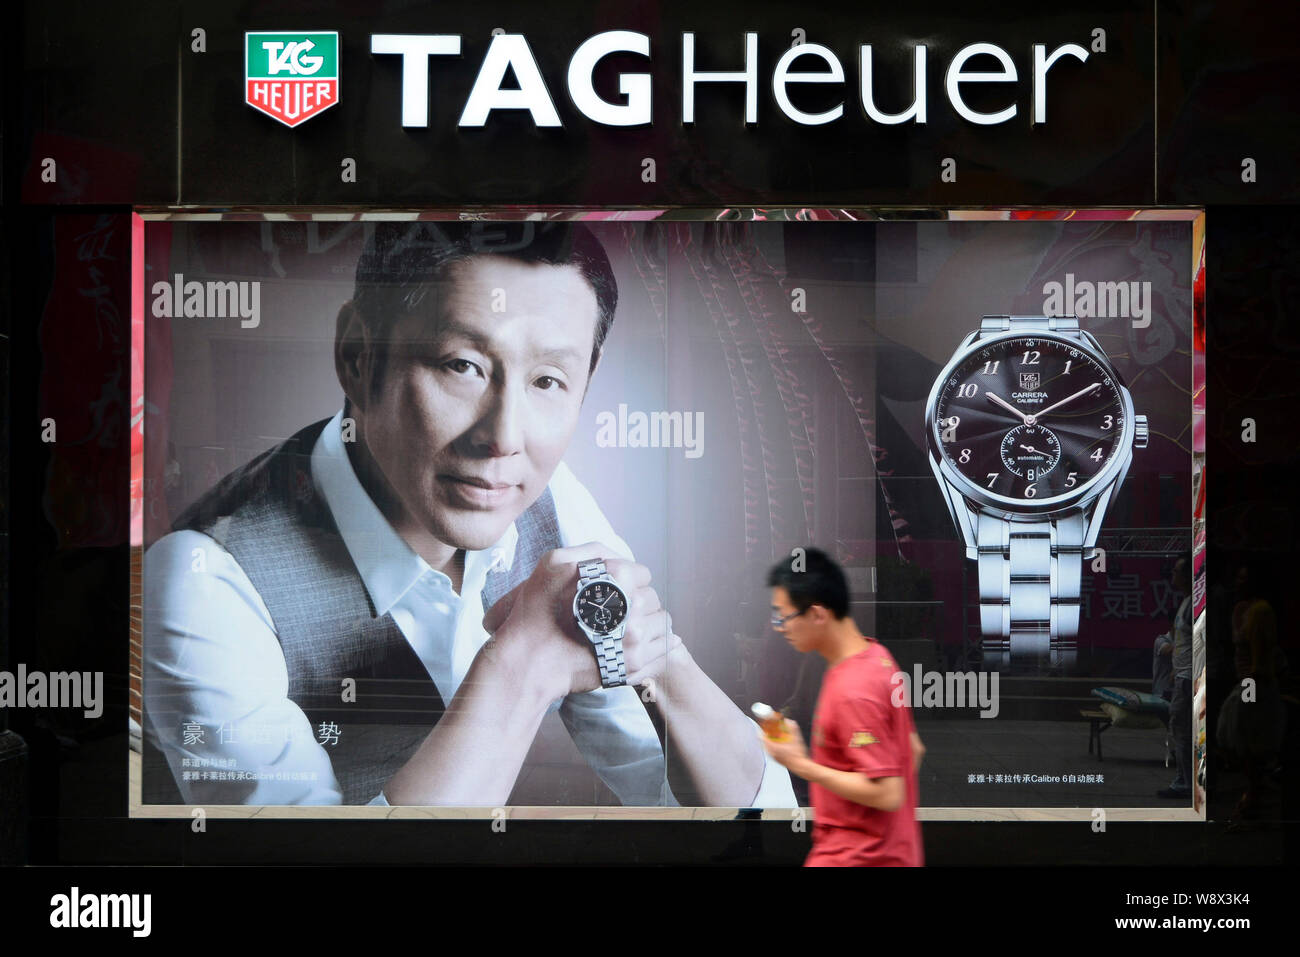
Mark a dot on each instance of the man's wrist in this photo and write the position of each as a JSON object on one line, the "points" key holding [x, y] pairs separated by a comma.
{"points": [[508, 660], [679, 669]]}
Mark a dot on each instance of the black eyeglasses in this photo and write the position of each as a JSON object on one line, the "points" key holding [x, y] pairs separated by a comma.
{"points": [[779, 621]]}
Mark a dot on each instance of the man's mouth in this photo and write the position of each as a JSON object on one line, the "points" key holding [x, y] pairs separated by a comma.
{"points": [[472, 491]]}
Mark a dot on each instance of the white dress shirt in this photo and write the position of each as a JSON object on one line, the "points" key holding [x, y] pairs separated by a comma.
{"points": [[213, 663]]}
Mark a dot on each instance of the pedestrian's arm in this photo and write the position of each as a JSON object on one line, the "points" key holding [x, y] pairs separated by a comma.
{"points": [[853, 725], [883, 794], [884, 791]]}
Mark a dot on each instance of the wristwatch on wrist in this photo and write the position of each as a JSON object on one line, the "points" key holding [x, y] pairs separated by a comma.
{"points": [[1031, 431], [600, 608]]}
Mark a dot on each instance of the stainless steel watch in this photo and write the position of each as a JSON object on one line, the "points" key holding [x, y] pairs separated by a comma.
{"points": [[600, 607], [1031, 431]]}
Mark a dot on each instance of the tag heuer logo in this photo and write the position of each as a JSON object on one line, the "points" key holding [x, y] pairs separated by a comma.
{"points": [[291, 76], [1029, 381]]}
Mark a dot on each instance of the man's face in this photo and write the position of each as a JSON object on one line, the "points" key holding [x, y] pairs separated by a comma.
{"points": [[796, 628], [476, 406]]}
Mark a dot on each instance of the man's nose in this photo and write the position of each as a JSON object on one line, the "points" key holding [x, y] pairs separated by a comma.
{"points": [[500, 429]]}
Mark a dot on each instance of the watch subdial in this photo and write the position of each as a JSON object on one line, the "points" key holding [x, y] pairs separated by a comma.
{"points": [[1030, 451]]}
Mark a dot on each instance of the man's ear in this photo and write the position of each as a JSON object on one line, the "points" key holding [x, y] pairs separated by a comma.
{"points": [[352, 356]]}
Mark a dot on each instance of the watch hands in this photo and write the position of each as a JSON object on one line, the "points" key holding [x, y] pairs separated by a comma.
{"points": [[1030, 448], [1009, 407], [1068, 398]]}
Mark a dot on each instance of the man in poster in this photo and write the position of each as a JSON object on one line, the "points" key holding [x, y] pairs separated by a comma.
{"points": [[862, 772], [314, 625]]}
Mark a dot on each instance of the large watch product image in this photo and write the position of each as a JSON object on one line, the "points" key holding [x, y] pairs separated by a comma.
{"points": [[1030, 431], [600, 608]]}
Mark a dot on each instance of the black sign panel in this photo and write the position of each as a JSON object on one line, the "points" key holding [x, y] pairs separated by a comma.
{"points": [[1228, 101], [952, 105]]}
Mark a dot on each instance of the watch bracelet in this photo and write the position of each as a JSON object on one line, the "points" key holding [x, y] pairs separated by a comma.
{"points": [[609, 650], [1030, 572]]}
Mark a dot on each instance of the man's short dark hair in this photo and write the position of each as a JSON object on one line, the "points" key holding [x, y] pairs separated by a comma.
{"points": [[812, 578], [403, 261]]}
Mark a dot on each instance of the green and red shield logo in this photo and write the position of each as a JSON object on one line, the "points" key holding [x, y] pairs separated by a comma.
{"points": [[291, 76]]}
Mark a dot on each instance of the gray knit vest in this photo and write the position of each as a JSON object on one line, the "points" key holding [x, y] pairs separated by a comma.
{"points": [[268, 515]]}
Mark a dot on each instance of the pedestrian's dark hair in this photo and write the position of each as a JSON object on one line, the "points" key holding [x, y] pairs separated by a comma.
{"points": [[811, 577], [403, 262]]}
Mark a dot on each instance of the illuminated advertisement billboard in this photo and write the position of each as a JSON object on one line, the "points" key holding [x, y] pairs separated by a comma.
{"points": [[475, 510]]}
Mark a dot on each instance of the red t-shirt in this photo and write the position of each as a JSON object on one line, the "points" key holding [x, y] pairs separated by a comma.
{"points": [[858, 728]]}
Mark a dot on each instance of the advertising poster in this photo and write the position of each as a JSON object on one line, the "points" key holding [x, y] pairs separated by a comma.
{"points": [[768, 382]]}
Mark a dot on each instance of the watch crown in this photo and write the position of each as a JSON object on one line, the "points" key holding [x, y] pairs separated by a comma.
{"points": [[1141, 432]]}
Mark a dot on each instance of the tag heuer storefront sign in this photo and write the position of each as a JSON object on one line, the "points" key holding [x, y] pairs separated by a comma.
{"points": [[291, 76]]}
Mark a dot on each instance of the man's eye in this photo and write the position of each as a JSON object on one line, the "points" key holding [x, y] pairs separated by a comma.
{"points": [[460, 366], [548, 383]]}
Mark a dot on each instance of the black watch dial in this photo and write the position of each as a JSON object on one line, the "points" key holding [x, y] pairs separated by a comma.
{"points": [[602, 607], [1029, 418]]}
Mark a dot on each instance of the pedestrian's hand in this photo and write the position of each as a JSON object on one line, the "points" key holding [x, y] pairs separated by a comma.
{"points": [[790, 749]]}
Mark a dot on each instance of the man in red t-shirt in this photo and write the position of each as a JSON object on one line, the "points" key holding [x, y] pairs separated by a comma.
{"points": [[865, 750]]}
